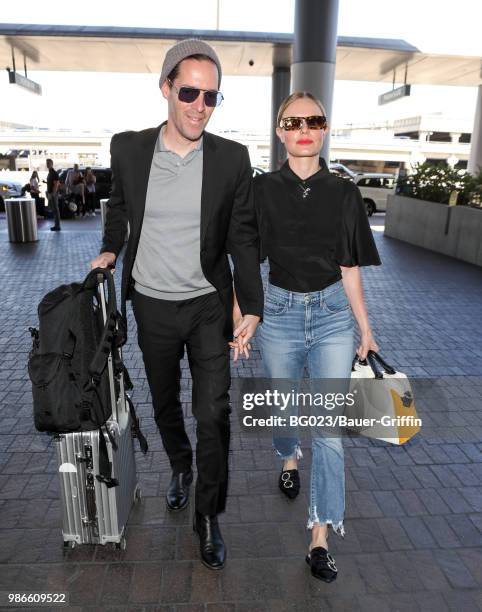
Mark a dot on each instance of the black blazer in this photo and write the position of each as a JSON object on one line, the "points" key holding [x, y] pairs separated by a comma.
{"points": [[228, 219]]}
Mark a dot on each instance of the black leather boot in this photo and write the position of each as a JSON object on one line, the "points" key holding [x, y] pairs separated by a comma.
{"points": [[177, 496], [213, 551]]}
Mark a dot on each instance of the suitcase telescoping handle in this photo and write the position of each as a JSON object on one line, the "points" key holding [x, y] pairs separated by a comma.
{"points": [[109, 317], [115, 355], [109, 305], [107, 345]]}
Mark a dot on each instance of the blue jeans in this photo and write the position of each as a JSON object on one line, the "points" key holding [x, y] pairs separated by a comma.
{"points": [[317, 330]]}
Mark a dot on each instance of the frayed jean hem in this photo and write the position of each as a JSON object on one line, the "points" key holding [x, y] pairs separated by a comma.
{"points": [[296, 454], [337, 527]]}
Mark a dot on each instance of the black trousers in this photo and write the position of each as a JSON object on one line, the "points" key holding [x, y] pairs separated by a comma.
{"points": [[90, 197], [165, 328]]}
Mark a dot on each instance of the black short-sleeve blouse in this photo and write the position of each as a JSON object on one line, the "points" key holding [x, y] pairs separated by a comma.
{"points": [[310, 228]]}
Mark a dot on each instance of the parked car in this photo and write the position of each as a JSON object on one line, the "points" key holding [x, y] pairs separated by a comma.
{"points": [[103, 183], [256, 171], [375, 188], [103, 187], [103, 177], [9, 189], [342, 170]]}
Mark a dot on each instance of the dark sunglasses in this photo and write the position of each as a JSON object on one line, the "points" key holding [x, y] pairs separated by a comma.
{"points": [[315, 122], [190, 94]]}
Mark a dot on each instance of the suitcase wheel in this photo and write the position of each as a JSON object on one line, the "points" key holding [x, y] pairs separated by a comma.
{"points": [[70, 544], [122, 545]]}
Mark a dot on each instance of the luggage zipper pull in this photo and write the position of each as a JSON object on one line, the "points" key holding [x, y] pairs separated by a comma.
{"points": [[89, 464]]}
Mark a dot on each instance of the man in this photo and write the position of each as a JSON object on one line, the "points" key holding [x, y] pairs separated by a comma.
{"points": [[53, 194], [188, 198]]}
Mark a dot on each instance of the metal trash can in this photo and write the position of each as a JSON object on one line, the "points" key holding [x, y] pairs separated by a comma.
{"points": [[21, 219], [103, 212]]}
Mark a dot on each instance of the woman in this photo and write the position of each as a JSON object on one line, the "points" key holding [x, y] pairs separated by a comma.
{"points": [[315, 232], [90, 181], [34, 184]]}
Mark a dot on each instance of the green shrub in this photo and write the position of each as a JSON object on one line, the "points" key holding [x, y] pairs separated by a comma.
{"points": [[435, 183]]}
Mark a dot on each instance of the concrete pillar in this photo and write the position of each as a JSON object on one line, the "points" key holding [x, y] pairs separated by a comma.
{"points": [[314, 53], [280, 88], [475, 159], [416, 157], [454, 137]]}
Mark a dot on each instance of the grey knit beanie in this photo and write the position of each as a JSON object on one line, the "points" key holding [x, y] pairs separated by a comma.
{"points": [[183, 49]]}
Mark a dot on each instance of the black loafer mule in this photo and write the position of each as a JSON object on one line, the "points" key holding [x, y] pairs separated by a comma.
{"points": [[322, 564], [289, 483]]}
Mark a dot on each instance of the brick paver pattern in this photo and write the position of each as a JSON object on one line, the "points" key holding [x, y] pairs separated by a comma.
{"points": [[413, 513]]}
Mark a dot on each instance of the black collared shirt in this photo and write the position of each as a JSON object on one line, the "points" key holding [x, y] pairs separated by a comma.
{"points": [[307, 238], [52, 176]]}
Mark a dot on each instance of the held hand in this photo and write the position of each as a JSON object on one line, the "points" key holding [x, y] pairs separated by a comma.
{"points": [[243, 333], [239, 348], [236, 343], [237, 316], [367, 343], [104, 260]]}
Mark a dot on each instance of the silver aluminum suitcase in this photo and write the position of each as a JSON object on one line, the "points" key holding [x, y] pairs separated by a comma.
{"points": [[92, 512]]}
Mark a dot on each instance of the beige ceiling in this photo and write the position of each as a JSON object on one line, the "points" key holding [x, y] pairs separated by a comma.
{"points": [[118, 51]]}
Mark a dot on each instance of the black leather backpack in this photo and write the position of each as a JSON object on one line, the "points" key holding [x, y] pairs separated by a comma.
{"points": [[68, 362]]}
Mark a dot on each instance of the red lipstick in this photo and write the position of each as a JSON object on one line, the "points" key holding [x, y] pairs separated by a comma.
{"points": [[304, 141]]}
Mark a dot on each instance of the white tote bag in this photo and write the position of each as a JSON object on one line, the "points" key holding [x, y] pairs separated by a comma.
{"points": [[385, 407]]}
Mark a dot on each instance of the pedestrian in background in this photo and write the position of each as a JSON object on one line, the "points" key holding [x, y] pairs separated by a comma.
{"points": [[90, 195], [53, 194]]}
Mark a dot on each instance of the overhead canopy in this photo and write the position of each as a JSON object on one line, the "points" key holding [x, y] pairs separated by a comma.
{"points": [[120, 49]]}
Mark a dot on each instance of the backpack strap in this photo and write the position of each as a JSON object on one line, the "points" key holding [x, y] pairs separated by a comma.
{"points": [[107, 340], [121, 334], [135, 426], [106, 344], [105, 466], [68, 345], [99, 417], [127, 379]]}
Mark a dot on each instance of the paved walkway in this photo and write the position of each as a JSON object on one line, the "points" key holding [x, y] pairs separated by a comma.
{"points": [[414, 517]]}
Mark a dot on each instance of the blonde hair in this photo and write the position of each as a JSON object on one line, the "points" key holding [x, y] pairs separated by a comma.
{"points": [[297, 95]]}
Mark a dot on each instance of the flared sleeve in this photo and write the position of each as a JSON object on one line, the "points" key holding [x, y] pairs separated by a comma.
{"points": [[356, 246]]}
